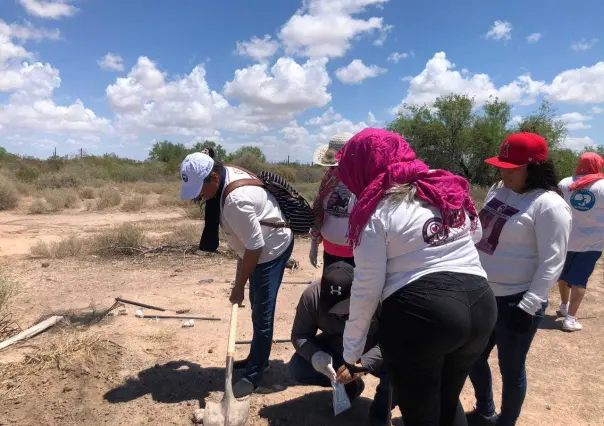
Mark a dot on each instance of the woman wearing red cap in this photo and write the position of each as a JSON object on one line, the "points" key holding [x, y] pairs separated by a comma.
{"points": [[584, 193], [526, 225], [413, 231]]}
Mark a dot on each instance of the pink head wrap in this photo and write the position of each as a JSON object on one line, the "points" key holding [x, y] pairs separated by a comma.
{"points": [[374, 160], [589, 168]]}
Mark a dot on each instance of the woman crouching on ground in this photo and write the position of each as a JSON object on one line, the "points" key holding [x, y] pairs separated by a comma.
{"points": [[526, 225], [413, 232]]}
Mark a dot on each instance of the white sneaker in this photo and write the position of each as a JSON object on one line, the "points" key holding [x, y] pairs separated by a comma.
{"points": [[571, 324], [563, 312]]}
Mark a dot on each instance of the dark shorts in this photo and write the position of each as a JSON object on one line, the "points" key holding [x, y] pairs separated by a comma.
{"points": [[579, 266]]}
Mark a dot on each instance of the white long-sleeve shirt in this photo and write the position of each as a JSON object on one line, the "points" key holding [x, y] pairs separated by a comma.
{"points": [[240, 218], [401, 243], [587, 208], [524, 243]]}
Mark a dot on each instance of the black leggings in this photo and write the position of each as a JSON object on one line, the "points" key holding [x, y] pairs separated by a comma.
{"points": [[431, 333], [329, 259]]}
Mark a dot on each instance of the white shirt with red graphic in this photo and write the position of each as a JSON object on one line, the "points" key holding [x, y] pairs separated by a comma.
{"points": [[524, 243], [402, 242]]}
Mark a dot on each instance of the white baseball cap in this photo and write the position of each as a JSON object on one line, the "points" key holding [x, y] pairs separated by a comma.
{"points": [[194, 169]]}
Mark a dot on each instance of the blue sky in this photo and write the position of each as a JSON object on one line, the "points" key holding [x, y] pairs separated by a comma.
{"points": [[115, 76]]}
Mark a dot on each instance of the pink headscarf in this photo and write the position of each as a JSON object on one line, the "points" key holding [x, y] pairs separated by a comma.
{"points": [[590, 167], [374, 160]]}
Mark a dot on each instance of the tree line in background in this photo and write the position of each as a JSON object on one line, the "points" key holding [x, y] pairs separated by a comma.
{"points": [[453, 134]]}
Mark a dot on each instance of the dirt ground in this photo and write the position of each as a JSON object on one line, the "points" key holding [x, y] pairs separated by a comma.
{"points": [[156, 373]]}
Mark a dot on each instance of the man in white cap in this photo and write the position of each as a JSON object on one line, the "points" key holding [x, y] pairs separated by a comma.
{"points": [[247, 214]]}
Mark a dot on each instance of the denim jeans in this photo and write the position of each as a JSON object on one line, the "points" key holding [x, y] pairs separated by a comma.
{"points": [[303, 372], [512, 349], [431, 333], [264, 286]]}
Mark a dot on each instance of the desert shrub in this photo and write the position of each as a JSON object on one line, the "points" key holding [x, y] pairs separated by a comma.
{"points": [[9, 197], [108, 197], [71, 246], [24, 188], [250, 162], [187, 234], [57, 181], [61, 199], [479, 193], [40, 249], [286, 173], [27, 174], [123, 239], [308, 190], [305, 174], [194, 211], [172, 200], [87, 193], [38, 206], [7, 290], [134, 203]]}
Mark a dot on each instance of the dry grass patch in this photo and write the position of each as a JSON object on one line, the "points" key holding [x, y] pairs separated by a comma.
{"points": [[194, 211], [38, 206], [126, 239], [61, 199], [87, 193], [134, 203], [8, 288], [108, 197], [9, 196], [167, 200], [72, 246], [68, 350], [184, 235]]}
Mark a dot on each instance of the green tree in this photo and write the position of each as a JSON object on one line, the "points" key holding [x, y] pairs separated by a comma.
{"points": [[219, 151], [544, 123], [168, 152], [246, 151]]}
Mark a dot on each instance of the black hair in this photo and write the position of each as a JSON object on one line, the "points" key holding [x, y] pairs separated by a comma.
{"points": [[542, 175], [211, 152], [218, 167]]}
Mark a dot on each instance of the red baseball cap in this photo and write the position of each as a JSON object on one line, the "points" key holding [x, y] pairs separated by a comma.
{"points": [[520, 149]]}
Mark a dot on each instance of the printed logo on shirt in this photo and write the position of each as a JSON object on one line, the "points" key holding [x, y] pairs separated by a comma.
{"points": [[435, 234], [493, 218], [582, 200], [185, 178], [337, 203]]}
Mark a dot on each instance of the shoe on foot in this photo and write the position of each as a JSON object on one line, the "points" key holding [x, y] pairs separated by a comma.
{"points": [[571, 324], [563, 311], [354, 389], [474, 418], [241, 365], [243, 388]]}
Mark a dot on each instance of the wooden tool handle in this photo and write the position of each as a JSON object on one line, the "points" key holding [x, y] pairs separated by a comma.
{"points": [[232, 330]]}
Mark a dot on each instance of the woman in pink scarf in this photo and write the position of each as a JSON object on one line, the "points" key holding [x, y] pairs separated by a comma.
{"points": [[584, 193], [413, 231]]}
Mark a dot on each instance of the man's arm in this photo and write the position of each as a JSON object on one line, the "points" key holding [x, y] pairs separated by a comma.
{"points": [[305, 327], [372, 359]]}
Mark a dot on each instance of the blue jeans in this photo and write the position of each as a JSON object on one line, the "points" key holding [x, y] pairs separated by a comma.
{"points": [[512, 349], [264, 286], [303, 372]]}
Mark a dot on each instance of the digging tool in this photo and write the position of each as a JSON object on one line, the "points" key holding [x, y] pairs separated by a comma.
{"points": [[247, 342], [142, 305], [182, 317], [230, 411], [389, 417]]}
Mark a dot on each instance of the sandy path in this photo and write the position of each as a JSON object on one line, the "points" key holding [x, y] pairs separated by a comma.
{"points": [[19, 232]]}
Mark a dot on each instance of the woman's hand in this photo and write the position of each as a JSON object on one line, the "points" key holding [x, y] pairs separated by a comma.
{"points": [[344, 375]]}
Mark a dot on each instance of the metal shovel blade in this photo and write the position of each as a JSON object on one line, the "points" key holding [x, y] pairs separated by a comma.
{"points": [[230, 411]]}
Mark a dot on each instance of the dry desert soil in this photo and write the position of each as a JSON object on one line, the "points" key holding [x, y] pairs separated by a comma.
{"points": [[124, 370]]}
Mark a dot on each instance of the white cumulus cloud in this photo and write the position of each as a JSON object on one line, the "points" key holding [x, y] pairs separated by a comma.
{"points": [[384, 32], [357, 71], [501, 30], [328, 116], [578, 86], [439, 78], [576, 121], [396, 57], [584, 45], [326, 28], [597, 110], [578, 143], [111, 62], [534, 38], [49, 9], [259, 49]]}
